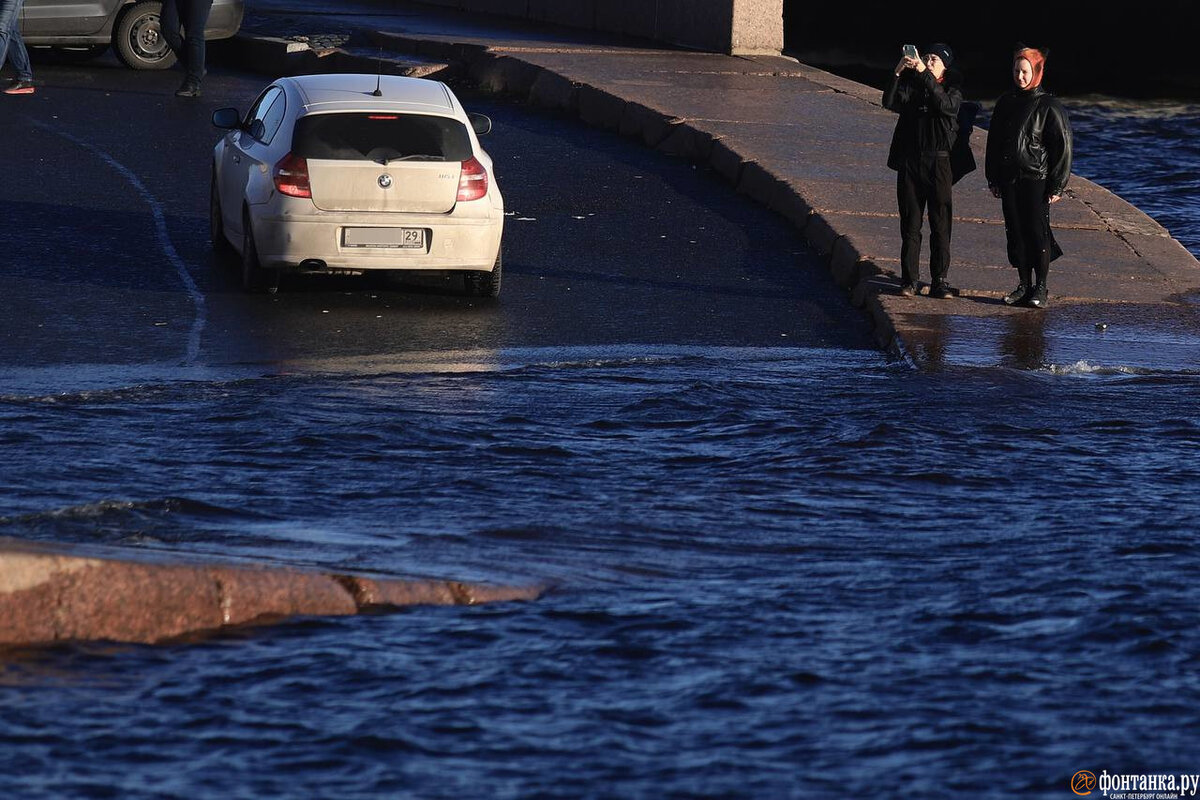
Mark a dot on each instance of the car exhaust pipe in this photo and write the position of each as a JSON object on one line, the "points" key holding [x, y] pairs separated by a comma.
{"points": [[312, 265]]}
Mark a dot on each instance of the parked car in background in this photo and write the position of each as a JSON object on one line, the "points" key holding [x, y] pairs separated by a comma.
{"points": [[344, 174], [130, 27]]}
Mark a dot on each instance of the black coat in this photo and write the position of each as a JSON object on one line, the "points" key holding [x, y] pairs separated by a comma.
{"points": [[1029, 137], [928, 110]]}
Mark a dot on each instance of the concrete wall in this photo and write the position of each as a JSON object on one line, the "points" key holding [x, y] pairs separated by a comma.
{"points": [[740, 27]]}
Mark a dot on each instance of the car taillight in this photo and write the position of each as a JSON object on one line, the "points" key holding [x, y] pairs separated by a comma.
{"points": [[473, 183], [291, 176]]}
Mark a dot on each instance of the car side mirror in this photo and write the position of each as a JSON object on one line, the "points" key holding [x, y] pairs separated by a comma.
{"points": [[480, 123], [227, 119]]}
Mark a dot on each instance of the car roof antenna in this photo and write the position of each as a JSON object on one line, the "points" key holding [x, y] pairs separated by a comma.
{"points": [[378, 74]]}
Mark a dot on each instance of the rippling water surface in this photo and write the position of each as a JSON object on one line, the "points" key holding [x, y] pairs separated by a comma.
{"points": [[778, 572], [1148, 153]]}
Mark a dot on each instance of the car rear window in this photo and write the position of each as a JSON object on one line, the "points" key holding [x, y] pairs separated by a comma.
{"points": [[380, 137]]}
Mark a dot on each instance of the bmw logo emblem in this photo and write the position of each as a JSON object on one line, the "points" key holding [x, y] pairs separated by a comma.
{"points": [[385, 181]]}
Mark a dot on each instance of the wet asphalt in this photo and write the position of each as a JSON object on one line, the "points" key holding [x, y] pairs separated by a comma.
{"points": [[107, 261]]}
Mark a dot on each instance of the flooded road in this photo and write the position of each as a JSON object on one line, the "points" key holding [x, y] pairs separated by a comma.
{"points": [[108, 261]]}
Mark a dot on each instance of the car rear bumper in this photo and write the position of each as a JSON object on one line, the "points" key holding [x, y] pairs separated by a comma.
{"points": [[285, 241]]}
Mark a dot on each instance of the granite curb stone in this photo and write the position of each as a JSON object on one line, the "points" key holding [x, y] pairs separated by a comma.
{"points": [[53, 593]]}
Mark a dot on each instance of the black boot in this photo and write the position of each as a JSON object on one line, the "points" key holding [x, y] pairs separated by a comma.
{"points": [[190, 88], [941, 289], [1020, 295], [1038, 297], [1017, 296]]}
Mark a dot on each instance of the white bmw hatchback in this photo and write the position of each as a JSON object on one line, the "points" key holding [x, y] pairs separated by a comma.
{"points": [[345, 174]]}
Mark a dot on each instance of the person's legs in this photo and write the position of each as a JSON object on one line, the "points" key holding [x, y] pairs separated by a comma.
{"points": [[910, 198], [941, 218], [195, 20], [10, 16], [18, 56], [13, 48], [1015, 240], [1034, 212], [169, 23]]}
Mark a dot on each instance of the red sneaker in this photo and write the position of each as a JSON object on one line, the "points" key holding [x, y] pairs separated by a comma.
{"points": [[20, 87]]}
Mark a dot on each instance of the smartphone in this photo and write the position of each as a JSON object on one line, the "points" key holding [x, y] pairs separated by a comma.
{"points": [[910, 51]]}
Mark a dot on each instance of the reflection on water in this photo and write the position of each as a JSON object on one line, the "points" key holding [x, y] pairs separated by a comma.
{"points": [[1115, 337], [1024, 342]]}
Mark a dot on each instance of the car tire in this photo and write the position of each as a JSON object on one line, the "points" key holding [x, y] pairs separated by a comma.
{"points": [[138, 39], [221, 247], [486, 284], [254, 277]]}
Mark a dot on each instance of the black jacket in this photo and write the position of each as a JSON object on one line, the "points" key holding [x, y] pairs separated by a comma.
{"points": [[928, 112], [1029, 137]]}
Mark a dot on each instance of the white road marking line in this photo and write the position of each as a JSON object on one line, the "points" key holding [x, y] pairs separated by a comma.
{"points": [[164, 238]]}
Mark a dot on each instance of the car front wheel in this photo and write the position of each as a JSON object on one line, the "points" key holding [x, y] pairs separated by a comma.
{"points": [[138, 38]]}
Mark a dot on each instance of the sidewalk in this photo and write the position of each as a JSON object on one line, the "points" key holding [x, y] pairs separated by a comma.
{"points": [[810, 146]]}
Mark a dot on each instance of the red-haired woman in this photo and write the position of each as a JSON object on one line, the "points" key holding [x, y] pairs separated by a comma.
{"points": [[1027, 166]]}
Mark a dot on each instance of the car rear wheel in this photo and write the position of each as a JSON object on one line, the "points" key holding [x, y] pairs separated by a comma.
{"points": [[138, 38], [486, 284], [254, 277]]}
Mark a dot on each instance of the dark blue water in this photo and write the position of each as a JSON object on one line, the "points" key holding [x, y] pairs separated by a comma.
{"points": [[1147, 152], [776, 572]]}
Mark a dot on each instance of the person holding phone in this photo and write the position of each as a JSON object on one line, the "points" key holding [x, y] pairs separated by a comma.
{"points": [[1027, 164], [927, 96]]}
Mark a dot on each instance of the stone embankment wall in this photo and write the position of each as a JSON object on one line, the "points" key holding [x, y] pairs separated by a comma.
{"points": [[735, 27]]}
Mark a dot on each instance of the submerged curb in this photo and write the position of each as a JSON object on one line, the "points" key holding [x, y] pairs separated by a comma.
{"points": [[50, 593]]}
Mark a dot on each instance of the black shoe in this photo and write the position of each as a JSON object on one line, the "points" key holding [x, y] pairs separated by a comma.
{"points": [[1037, 298], [190, 88], [1017, 296], [941, 290], [909, 289]]}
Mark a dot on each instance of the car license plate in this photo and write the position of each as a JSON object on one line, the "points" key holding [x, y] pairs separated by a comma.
{"points": [[396, 238]]}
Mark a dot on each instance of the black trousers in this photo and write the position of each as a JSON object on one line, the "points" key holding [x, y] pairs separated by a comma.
{"points": [[183, 23], [922, 188], [1027, 228]]}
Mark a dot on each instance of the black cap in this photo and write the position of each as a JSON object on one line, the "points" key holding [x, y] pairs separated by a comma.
{"points": [[942, 51]]}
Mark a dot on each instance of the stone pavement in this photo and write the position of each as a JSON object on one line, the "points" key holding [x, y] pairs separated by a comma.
{"points": [[807, 144]]}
